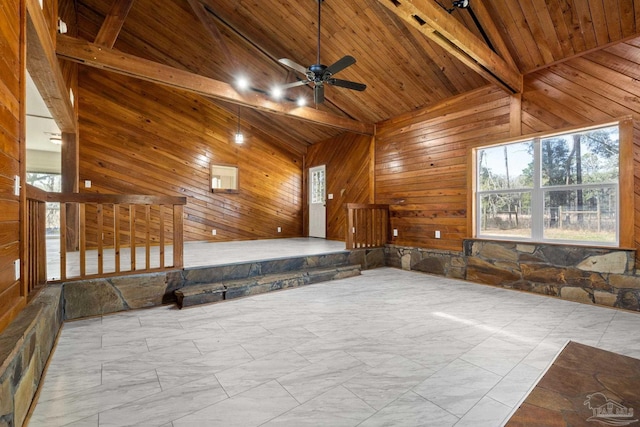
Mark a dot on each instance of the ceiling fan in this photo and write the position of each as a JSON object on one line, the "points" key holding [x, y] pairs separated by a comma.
{"points": [[319, 74]]}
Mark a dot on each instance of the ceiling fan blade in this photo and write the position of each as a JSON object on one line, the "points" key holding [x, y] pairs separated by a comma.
{"points": [[340, 64], [347, 84], [318, 94], [293, 84], [293, 65]]}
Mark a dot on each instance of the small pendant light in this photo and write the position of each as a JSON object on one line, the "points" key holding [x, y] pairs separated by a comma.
{"points": [[239, 137]]}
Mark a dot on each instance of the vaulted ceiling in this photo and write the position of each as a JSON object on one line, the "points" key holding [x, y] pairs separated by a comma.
{"points": [[410, 53]]}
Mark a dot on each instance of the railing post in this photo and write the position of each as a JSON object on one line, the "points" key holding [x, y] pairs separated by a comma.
{"points": [[178, 237]]}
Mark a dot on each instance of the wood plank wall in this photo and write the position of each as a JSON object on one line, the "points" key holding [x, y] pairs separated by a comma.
{"points": [[421, 158], [600, 86], [347, 158], [141, 138], [12, 15], [421, 165]]}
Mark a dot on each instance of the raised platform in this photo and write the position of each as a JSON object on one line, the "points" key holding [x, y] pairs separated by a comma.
{"points": [[584, 386], [94, 297]]}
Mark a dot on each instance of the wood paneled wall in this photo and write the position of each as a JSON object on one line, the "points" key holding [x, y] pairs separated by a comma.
{"points": [[600, 86], [140, 138], [348, 161], [422, 158], [12, 27]]}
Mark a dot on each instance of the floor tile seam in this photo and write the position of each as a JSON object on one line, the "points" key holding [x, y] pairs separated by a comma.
{"points": [[496, 373], [435, 404], [522, 362], [478, 402], [204, 407]]}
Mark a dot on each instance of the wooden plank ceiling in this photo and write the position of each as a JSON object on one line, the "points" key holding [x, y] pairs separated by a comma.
{"points": [[403, 68]]}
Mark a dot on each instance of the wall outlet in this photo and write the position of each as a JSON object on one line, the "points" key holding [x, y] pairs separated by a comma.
{"points": [[437, 234], [279, 229], [330, 195], [16, 265], [214, 232], [87, 183], [395, 232], [16, 185]]}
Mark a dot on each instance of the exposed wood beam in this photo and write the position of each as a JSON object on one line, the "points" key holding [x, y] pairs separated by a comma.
{"points": [[113, 22], [436, 24], [112, 60], [491, 30], [45, 69], [203, 16]]}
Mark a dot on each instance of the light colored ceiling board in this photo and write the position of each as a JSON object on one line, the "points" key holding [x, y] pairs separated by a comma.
{"points": [[113, 23], [111, 60], [438, 25], [45, 70]]}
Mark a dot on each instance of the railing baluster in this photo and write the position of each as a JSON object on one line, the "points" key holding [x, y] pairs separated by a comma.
{"points": [[147, 236], [116, 236], [100, 220], [132, 235], [178, 243], [83, 241], [63, 241], [161, 233]]}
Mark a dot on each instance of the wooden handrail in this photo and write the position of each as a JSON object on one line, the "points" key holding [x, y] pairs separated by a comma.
{"points": [[114, 199], [367, 225], [133, 221]]}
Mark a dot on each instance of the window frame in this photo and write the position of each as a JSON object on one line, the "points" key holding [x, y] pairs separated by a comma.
{"points": [[625, 192]]}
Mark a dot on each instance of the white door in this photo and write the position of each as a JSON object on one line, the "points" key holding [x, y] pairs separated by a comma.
{"points": [[317, 205]]}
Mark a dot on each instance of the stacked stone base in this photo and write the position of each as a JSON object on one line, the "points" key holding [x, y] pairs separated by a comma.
{"points": [[218, 291], [25, 346], [590, 275]]}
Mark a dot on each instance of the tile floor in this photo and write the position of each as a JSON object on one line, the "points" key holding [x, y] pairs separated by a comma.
{"points": [[388, 348]]}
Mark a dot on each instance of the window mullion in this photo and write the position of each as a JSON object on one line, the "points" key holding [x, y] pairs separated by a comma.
{"points": [[537, 196]]}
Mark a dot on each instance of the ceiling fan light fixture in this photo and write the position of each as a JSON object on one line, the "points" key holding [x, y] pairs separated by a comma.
{"points": [[242, 83], [276, 92]]}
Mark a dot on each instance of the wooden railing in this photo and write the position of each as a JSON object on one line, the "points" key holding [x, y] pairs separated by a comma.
{"points": [[105, 234], [36, 262], [367, 226]]}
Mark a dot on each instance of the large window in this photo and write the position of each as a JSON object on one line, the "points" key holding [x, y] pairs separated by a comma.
{"points": [[560, 188]]}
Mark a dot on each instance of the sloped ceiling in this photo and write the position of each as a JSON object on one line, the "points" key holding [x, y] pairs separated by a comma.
{"points": [[403, 69]]}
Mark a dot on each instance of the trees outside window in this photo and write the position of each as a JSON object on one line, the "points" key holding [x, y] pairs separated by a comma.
{"points": [[558, 188]]}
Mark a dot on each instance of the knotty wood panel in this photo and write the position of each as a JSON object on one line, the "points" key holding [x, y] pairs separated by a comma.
{"points": [[347, 158], [422, 157], [421, 165], [12, 25], [141, 138]]}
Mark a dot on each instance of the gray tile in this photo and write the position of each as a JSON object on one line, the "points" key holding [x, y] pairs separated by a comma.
{"points": [[389, 347]]}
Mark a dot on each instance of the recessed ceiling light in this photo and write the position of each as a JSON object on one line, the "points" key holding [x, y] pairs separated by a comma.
{"points": [[302, 101]]}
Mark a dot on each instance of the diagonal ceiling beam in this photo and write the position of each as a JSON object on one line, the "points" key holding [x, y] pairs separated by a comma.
{"points": [[489, 26], [113, 22], [436, 24], [90, 54], [203, 16]]}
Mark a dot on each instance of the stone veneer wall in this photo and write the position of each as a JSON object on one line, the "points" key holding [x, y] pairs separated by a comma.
{"points": [[25, 346], [94, 297], [591, 275]]}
